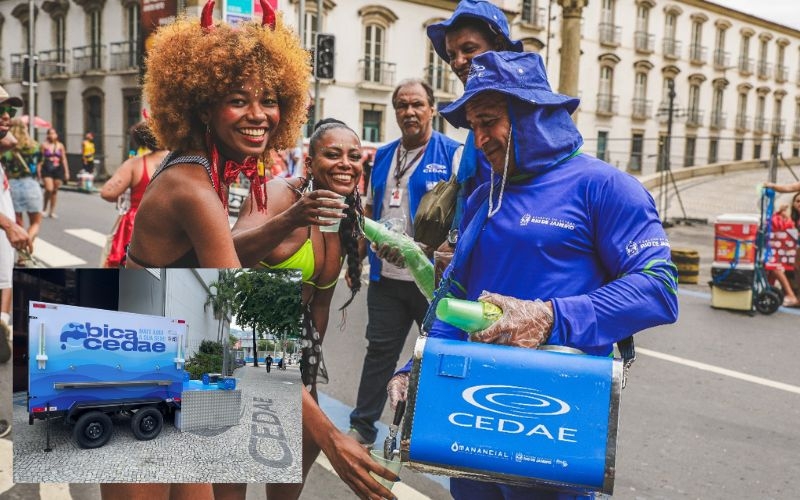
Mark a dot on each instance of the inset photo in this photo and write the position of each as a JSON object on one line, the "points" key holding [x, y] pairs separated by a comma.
{"points": [[143, 375]]}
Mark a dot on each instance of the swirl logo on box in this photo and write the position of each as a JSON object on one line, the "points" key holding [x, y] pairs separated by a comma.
{"points": [[514, 401]]}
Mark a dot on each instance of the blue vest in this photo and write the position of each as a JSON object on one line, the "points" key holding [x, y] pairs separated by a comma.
{"points": [[436, 165]]}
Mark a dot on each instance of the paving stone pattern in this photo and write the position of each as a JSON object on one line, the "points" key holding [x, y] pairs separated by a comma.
{"points": [[266, 445]]}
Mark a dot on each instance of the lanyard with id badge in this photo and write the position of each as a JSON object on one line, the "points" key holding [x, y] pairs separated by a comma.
{"points": [[396, 196]]}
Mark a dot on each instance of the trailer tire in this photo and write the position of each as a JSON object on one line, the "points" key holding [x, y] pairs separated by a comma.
{"points": [[92, 430], [767, 302], [147, 423]]}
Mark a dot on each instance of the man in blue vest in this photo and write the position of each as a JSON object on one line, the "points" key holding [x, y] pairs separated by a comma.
{"points": [[403, 172]]}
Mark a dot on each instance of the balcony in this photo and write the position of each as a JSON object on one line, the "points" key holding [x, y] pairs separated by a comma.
{"points": [[718, 119], [375, 72], [759, 125], [441, 80], [641, 109], [17, 65], [672, 48], [697, 53], [124, 56], [607, 104], [745, 66], [742, 122], [722, 59], [644, 42], [694, 118], [535, 18], [88, 58], [781, 73], [778, 127], [610, 34], [53, 63], [764, 70]]}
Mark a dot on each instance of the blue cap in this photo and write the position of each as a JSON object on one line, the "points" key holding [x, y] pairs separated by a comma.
{"points": [[518, 75], [479, 9]]}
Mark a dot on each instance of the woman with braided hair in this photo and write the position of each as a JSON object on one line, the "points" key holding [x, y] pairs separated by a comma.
{"points": [[220, 98], [291, 234]]}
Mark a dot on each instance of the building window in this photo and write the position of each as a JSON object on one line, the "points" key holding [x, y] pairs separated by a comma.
{"points": [[717, 113], [602, 145], [640, 104], [713, 147], [694, 116], [795, 150], [721, 59], [760, 125], [373, 67], [532, 14], [439, 123], [95, 36], [763, 65], [132, 111], [745, 63], [437, 73], [637, 146], [696, 49], [93, 117], [606, 100], [373, 53], [643, 40], [58, 113], [738, 150], [688, 153], [757, 151], [372, 122]]}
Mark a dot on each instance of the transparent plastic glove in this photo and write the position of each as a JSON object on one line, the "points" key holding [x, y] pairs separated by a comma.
{"points": [[390, 254], [397, 388], [525, 323]]}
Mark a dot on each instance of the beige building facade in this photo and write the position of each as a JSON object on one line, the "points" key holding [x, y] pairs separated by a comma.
{"points": [[736, 78]]}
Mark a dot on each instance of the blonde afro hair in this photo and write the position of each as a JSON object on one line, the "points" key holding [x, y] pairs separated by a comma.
{"points": [[189, 69]]}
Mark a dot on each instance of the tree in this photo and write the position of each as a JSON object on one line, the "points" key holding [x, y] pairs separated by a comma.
{"points": [[222, 298], [269, 301]]}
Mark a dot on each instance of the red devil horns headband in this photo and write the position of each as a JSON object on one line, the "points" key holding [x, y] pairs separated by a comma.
{"points": [[207, 17]]}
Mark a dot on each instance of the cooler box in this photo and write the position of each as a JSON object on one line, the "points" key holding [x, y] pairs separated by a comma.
{"points": [[732, 287], [735, 238], [512, 415]]}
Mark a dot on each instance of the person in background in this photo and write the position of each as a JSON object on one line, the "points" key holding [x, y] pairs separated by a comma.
{"points": [[21, 164], [571, 249], [53, 170], [87, 153], [133, 174], [404, 171], [781, 221], [268, 362]]}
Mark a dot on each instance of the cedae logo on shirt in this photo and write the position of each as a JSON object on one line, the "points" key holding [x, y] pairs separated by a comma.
{"points": [[475, 70], [505, 409], [435, 168]]}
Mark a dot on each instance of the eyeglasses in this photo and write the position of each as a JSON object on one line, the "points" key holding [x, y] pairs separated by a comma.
{"points": [[12, 111]]}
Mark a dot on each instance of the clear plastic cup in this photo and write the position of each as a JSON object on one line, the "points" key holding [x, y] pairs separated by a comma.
{"points": [[335, 227], [393, 465]]}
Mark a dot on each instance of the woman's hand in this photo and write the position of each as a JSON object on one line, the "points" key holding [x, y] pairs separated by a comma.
{"points": [[314, 205], [525, 323], [352, 463]]}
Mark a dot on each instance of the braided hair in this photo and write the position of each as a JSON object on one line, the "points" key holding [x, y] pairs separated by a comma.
{"points": [[350, 227]]}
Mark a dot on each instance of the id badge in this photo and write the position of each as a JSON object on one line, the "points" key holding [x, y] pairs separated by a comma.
{"points": [[396, 197]]}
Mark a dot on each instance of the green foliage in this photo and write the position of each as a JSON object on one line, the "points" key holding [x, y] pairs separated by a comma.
{"points": [[210, 347], [203, 362]]}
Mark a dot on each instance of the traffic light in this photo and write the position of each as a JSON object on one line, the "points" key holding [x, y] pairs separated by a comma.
{"points": [[324, 55]]}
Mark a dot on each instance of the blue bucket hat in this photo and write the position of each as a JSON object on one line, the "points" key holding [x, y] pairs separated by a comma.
{"points": [[478, 9], [518, 75]]}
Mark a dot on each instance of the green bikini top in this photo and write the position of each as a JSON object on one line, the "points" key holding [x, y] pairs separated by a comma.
{"points": [[302, 259]]}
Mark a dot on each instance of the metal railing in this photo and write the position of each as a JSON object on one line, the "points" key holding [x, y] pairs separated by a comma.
{"points": [[796, 129], [722, 59], [644, 41], [697, 53], [742, 121], [641, 108], [124, 55], [88, 58], [759, 125], [781, 73], [17, 65], [53, 62], [778, 127], [607, 104], [764, 69], [610, 34], [377, 71], [694, 117], [441, 79], [718, 119], [672, 48], [535, 17], [745, 64]]}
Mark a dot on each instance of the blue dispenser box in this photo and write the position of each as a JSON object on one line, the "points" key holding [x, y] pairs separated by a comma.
{"points": [[507, 414]]}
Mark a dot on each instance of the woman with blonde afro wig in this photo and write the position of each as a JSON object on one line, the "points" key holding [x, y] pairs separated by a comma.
{"points": [[220, 97]]}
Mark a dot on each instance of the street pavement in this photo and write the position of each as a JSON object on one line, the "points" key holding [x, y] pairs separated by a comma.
{"points": [[711, 409]]}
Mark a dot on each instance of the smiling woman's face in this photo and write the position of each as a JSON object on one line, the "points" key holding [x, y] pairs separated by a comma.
{"points": [[337, 161], [242, 121]]}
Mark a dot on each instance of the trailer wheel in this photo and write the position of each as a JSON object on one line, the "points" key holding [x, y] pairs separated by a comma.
{"points": [[92, 430], [147, 423], [767, 302]]}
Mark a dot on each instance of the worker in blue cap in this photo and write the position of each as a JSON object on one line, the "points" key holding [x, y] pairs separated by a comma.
{"points": [[571, 249]]}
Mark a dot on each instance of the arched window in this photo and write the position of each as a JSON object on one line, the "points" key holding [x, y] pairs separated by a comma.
{"points": [[606, 100], [374, 67], [694, 115], [437, 72], [641, 106]]}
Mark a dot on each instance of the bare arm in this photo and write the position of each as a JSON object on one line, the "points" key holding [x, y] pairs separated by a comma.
{"points": [[350, 460], [17, 236], [64, 162], [784, 188], [120, 181]]}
